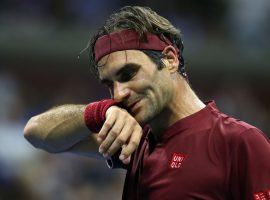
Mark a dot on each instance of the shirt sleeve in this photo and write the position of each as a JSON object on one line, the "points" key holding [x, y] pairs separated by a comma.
{"points": [[250, 179]]}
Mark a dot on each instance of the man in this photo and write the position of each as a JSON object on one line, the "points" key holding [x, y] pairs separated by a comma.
{"points": [[187, 149]]}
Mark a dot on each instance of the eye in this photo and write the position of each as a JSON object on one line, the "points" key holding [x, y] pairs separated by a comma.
{"points": [[127, 75]]}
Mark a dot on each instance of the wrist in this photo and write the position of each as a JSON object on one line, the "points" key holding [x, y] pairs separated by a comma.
{"points": [[95, 114], [110, 109]]}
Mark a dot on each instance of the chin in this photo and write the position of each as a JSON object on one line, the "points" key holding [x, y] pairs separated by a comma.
{"points": [[144, 114], [142, 118]]}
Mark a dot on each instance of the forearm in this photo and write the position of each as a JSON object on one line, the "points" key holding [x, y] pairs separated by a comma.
{"points": [[58, 129], [86, 147]]}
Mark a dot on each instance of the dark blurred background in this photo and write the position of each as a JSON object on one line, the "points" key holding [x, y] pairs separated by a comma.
{"points": [[226, 51]]}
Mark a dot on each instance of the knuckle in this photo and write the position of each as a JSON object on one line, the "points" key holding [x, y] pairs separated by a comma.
{"points": [[138, 128], [125, 152], [113, 133], [117, 110], [120, 110], [124, 112], [116, 113], [120, 141], [102, 136], [134, 143], [133, 122], [111, 112], [107, 125]]}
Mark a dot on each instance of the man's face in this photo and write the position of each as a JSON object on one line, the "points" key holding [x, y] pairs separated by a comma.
{"points": [[134, 80]]}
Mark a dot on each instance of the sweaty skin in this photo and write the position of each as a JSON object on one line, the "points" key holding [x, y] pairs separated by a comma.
{"points": [[57, 129], [150, 96], [62, 129]]}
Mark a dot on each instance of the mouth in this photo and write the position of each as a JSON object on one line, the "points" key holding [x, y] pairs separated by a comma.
{"points": [[133, 106]]}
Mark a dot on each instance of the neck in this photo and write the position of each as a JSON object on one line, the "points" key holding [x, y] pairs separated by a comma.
{"points": [[184, 102]]}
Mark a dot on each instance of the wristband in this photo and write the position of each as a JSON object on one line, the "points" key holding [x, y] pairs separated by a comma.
{"points": [[95, 114]]}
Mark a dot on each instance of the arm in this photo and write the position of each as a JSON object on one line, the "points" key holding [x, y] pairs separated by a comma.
{"points": [[63, 129], [119, 131], [251, 166], [58, 129]]}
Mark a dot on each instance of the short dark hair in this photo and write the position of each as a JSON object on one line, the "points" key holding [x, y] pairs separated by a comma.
{"points": [[155, 56], [142, 20]]}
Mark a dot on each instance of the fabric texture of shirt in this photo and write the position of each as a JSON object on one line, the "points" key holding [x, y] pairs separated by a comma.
{"points": [[207, 155]]}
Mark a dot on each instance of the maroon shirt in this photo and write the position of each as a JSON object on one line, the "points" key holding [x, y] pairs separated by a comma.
{"points": [[207, 155]]}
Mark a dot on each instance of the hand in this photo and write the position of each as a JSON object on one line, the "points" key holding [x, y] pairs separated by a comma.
{"points": [[120, 130]]}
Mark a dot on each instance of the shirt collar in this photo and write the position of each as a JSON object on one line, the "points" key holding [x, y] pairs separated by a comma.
{"points": [[193, 122]]}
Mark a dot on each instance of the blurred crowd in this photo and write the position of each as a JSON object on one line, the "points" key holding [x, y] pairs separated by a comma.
{"points": [[28, 87]]}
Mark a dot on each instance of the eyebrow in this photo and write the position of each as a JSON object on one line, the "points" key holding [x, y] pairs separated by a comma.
{"points": [[126, 67]]}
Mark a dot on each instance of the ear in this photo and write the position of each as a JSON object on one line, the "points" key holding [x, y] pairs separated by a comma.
{"points": [[170, 58]]}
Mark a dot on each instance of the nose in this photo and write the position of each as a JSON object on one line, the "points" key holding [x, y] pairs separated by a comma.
{"points": [[120, 92]]}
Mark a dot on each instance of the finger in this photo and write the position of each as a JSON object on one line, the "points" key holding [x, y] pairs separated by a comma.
{"points": [[123, 158], [113, 133], [133, 143], [120, 140], [126, 160], [109, 122]]}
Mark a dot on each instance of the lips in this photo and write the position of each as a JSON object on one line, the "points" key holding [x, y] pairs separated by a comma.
{"points": [[132, 104], [131, 107]]}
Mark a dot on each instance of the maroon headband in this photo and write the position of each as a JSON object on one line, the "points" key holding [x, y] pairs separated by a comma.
{"points": [[128, 39]]}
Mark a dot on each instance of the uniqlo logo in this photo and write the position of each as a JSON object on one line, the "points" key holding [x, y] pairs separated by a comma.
{"points": [[177, 160]]}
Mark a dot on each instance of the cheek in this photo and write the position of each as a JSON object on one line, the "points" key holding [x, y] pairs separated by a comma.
{"points": [[154, 99], [141, 87], [162, 91], [157, 96], [158, 90]]}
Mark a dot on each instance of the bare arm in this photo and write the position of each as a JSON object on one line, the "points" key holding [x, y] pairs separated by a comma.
{"points": [[59, 129], [62, 129]]}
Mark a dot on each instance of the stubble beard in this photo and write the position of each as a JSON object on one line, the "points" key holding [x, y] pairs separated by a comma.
{"points": [[147, 113]]}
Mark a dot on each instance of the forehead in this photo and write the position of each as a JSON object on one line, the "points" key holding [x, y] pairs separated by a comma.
{"points": [[115, 60]]}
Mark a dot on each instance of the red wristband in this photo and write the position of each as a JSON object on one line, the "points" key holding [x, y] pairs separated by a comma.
{"points": [[95, 114]]}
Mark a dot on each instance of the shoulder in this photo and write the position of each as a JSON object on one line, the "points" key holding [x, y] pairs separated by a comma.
{"points": [[233, 141], [236, 132], [229, 126]]}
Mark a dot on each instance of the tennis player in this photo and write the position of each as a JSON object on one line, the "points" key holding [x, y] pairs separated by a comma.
{"points": [[173, 145]]}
